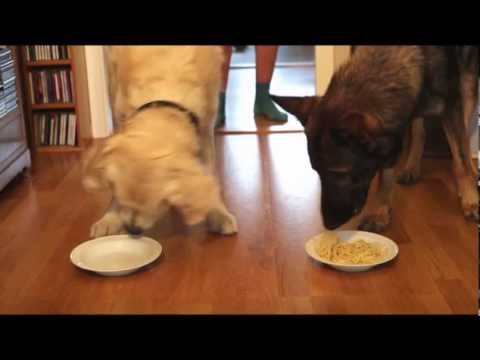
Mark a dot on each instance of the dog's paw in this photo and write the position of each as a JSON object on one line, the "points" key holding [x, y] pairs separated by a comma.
{"points": [[222, 223], [376, 222], [470, 209], [409, 176], [469, 198], [109, 224]]}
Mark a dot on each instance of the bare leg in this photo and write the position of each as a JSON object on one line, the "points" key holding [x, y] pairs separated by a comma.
{"points": [[265, 57], [381, 217], [411, 172]]}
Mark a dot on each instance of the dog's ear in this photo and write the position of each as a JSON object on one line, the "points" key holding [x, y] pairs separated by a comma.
{"points": [[299, 106], [94, 166], [92, 174]]}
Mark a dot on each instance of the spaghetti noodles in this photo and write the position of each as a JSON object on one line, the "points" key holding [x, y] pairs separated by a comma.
{"points": [[331, 248]]}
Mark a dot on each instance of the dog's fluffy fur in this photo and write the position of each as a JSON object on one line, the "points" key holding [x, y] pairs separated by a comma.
{"points": [[377, 100], [157, 157]]}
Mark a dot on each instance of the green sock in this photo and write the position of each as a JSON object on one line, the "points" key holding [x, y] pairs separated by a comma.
{"points": [[265, 106], [221, 110]]}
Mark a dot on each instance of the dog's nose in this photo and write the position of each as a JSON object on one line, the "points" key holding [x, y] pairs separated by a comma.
{"points": [[133, 229]]}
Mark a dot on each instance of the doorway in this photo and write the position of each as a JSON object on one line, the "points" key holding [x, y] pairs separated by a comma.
{"points": [[294, 74]]}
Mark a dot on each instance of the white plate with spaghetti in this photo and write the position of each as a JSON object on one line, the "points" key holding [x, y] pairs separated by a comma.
{"points": [[351, 251], [116, 255]]}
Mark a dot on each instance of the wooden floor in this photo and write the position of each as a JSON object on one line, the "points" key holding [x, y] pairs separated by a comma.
{"points": [[275, 195]]}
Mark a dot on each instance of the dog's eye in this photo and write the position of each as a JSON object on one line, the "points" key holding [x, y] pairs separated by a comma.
{"points": [[340, 136], [339, 170], [339, 177]]}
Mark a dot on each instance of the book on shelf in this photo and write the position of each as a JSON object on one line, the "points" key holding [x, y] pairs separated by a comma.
{"points": [[46, 52], [55, 128], [72, 126], [48, 124], [51, 94], [63, 131], [41, 133], [30, 81], [52, 130], [50, 86]]}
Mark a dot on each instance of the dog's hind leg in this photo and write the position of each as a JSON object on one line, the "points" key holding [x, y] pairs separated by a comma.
{"points": [[109, 224], [469, 91], [411, 171], [380, 218], [464, 178], [469, 65]]}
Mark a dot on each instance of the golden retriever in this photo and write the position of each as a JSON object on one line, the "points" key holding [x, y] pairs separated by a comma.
{"points": [[164, 101]]}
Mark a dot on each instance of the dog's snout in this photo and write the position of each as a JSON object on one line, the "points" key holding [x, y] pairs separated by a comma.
{"points": [[133, 229], [332, 224]]}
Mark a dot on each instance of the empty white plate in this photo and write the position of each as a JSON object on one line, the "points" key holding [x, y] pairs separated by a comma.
{"points": [[390, 246], [116, 255]]}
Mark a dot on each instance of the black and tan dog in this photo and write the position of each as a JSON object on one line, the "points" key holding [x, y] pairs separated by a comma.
{"points": [[374, 103]]}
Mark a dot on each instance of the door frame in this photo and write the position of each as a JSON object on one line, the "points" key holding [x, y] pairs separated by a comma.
{"points": [[100, 112], [327, 60]]}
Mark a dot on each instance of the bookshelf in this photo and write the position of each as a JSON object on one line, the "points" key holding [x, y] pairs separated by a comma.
{"points": [[14, 152], [56, 97]]}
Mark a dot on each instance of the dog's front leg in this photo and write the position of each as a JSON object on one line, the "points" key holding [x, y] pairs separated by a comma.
{"points": [[198, 198], [207, 149], [220, 220], [109, 224], [411, 171], [380, 218]]}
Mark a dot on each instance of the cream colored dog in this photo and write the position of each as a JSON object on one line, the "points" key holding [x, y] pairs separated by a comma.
{"points": [[164, 101]]}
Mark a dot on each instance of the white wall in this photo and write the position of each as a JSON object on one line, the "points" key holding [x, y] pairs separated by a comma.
{"points": [[98, 92]]}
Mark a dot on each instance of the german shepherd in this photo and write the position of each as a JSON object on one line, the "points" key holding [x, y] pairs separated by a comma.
{"points": [[374, 106]]}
